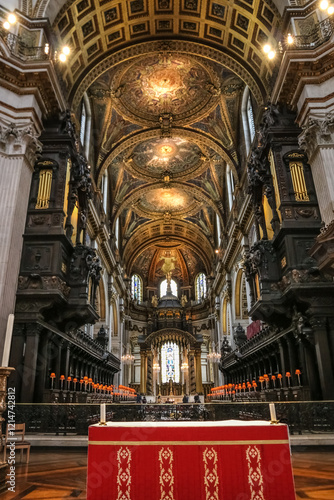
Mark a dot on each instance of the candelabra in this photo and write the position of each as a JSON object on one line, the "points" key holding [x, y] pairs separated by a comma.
{"points": [[127, 359], [214, 357]]}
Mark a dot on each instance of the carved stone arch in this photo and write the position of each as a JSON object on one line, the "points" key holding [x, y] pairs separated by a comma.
{"points": [[237, 289], [168, 334], [191, 48], [201, 197], [25, 6], [115, 323], [198, 137], [40, 8], [137, 244]]}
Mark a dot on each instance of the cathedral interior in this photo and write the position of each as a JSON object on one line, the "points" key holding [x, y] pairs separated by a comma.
{"points": [[167, 197]]}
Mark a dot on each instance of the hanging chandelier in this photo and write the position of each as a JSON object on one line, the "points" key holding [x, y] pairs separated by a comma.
{"points": [[156, 367], [184, 367], [127, 359], [214, 357]]}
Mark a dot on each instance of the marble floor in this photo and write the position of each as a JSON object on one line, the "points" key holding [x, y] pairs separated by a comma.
{"points": [[60, 474]]}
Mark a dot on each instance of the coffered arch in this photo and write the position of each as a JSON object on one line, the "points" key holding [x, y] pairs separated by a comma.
{"points": [[98, 32], [197, 197], [158, 232], [198, 137], [110, 59]]}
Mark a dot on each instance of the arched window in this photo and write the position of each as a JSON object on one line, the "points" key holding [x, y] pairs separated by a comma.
{"points": [[241, 307], [218, 230], [104, 189], [247, 118], [85, 124], [230, 186], [163, 287], [250, 117], [117, 233], [170, 362], [136, 288], [200, 290]]}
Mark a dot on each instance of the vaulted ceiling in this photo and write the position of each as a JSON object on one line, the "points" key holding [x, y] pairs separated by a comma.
{"points": [[165, 80]]}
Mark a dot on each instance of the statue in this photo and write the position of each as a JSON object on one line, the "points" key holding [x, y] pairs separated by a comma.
{"points": [[167, 268], [155, 300], [183, 300]]}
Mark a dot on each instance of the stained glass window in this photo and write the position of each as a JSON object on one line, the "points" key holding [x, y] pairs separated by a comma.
{"points": [[136, 288], [170, 362], [200, 286], [163, 287]]}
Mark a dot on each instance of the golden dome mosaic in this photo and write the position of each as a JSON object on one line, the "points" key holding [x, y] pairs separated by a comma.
{"points": [[164, 84]]}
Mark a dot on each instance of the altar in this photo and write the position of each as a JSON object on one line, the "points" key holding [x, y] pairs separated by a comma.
{"points": [[228, 460]]}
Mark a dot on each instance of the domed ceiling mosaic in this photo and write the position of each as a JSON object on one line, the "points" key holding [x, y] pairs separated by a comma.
{"points": [[175, 155], [167, 123], [159, 201], [165, 84]]}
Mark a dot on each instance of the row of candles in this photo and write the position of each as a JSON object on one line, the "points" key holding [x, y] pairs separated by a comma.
{"points": [[90, 386], [229, 389]]}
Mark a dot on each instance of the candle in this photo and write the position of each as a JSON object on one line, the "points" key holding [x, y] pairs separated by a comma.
{"points": [[103, 413], [272, 412], [8, 340]]}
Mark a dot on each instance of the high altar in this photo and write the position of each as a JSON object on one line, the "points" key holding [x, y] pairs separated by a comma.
{"points": [[228, 460]]}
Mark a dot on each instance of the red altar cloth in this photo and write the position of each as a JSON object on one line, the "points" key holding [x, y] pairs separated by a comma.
{"points": [[228, 460]]}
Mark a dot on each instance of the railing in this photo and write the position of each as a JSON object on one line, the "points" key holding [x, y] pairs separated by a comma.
{"points": [[320, 34], [298, 3], [23, 51], [302, 417]]}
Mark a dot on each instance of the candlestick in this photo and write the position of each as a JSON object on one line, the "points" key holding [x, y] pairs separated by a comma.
{"points": [[8, 340], [273, 417], [103, 414]]}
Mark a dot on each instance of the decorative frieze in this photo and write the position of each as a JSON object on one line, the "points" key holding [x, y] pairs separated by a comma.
{"points": [[317, 133], [19, 139]]}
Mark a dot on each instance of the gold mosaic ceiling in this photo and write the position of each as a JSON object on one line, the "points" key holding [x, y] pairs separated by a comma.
{"points": [[96, 28], [165, 80]]}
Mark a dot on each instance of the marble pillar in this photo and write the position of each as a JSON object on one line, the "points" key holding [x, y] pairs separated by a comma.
{"points": [[317, 140], [18, 147]]}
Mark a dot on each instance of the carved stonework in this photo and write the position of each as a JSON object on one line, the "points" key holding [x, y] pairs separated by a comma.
{"points": [[37, 282], [19, 140], [239, 335], [85, 264], [259, 258], [317, 133]]}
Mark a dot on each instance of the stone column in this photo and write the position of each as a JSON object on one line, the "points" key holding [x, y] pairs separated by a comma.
{"points": [[317, 139], [143, 372], [323, 355], [30, 363], [17, 357], [192, 376], [149, 372], [42, 364], [18, 145], [292, 360], [198, 367], [282, 354]]}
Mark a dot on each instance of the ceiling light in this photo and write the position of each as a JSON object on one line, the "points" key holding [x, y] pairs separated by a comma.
{"points": [[62, 57], [290, 39], [330, 10], [266, 48], [323, 5], [66, 50], [12, 18], [216, 251], [6, 25], [271, 54]]}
